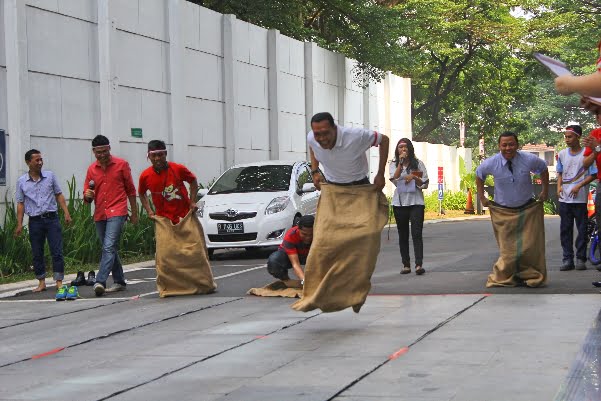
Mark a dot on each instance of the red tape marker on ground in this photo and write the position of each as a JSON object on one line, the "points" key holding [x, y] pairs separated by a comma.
{"points": [[400, 352], [54, 351]]}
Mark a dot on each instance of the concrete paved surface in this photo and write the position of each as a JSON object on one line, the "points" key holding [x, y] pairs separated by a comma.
{"points": [[441, 336]]}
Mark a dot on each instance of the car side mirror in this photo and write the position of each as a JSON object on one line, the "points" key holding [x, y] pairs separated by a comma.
{"points": [[309, 187], [202, 192]]}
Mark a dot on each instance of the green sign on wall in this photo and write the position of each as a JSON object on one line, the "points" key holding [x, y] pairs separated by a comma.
{"points": [[136, 132]]}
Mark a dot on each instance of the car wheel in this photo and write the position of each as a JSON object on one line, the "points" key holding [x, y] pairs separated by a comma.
{"points": [[211, 253], [296, 220]]}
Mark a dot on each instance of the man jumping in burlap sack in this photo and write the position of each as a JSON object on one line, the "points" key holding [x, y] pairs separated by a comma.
{"points": [[181, 259], [350, 216], [517, 218]]}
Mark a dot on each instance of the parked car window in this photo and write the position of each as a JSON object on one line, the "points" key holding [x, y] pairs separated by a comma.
{"points": [[254, 179], [304, 176]]}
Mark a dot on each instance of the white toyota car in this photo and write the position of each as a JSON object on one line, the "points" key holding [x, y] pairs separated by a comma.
{"points": [[253, 205]]}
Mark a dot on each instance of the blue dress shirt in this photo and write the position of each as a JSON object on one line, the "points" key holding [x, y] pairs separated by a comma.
{"points": [[38, 196], [512, 189]]}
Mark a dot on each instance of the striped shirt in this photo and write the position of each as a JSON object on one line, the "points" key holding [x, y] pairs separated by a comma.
{"points": [[294, 245], [38, 196]]}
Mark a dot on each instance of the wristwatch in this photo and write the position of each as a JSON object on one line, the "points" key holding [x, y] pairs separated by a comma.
{"points": [[598, 148], [313, 172]]}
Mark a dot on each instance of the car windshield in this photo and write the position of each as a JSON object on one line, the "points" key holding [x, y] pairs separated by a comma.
{"points": [[269, 178]]}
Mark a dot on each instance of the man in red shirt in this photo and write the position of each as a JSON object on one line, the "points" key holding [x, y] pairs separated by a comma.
{"points": [[293, 251], [165, 181], [109, 185]]}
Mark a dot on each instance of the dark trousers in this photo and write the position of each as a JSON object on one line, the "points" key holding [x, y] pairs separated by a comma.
{"points": [[279, 263], [570, 212], [41, 229], [414, 215]]}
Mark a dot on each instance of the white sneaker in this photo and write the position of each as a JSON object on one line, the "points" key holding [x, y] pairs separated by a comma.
{"points": [[98, 289], [116, 287]]}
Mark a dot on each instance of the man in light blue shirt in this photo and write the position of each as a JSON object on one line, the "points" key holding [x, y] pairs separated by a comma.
{"points": [[38, 195], [511, 170]]}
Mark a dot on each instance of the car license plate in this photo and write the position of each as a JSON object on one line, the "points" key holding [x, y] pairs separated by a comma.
{"points": [[230, 228]]}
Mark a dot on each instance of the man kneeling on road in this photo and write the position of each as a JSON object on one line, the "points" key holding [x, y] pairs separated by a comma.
{"points": [[292, 252]]}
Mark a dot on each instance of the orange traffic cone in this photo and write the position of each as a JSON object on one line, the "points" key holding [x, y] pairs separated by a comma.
{"points": [[469, 207], [590, 205]]}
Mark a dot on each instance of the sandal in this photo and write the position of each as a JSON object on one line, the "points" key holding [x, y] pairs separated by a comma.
{"points": [[406, 270], [419, 270]]}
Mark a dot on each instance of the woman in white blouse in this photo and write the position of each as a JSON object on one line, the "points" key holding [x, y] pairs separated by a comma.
{"points": [[410, 177]]}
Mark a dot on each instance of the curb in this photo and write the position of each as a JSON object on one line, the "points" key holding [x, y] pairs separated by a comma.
{"points": [[21, 285]]}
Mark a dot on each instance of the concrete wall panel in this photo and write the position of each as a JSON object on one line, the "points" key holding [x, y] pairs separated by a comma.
{"points": [[50, 5], [191, 25], [326, 99], [206, 163], [83, 9], [252, 85], [143, 109], [253, 130], [142, 62], [135, 154], [293, 137], [211, 35], [205, 123], [353, 108], [251, 43], [198, 66], [55, 153], [3, 105], [62, 46], [153, 19], [80, 108], [249, 156], [45, 116], [292, 94], [125, 13], [2, 28]]}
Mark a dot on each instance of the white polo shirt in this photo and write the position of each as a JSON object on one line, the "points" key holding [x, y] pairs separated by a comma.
{"points": [[347, 160]]}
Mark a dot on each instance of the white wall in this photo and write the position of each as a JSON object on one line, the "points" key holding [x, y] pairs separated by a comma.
{"points": [[218, 90]]}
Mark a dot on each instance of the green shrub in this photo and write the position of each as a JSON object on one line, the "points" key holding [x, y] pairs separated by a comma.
{"points": [[451, 201]]}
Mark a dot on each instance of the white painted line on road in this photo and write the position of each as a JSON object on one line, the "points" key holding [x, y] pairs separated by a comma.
{"points": [[134, 281], [240, 272]]}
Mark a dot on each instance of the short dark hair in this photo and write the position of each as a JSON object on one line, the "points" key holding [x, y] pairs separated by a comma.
{"points": [[156, 144], [576, 128], [323, 116], [30, 153], [100, 140], [306, 221], [509, 133]]}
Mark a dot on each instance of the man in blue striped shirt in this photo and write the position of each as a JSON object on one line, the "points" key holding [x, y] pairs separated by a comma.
{"points": [[37, 195]]}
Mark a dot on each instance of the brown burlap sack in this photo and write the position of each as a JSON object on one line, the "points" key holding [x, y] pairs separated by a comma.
{"points": [[279, 289], [520, 234], [345, 247], [181, 259]]}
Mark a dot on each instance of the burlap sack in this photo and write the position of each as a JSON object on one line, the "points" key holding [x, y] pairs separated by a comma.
{"points": [[181, 259], [279, 289], [346, 243], [520, 234]]}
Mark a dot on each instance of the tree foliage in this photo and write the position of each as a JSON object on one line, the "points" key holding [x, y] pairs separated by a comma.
{"points": [[469, 60]]}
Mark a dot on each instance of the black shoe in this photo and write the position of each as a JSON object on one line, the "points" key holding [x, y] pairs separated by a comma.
{"points": [[597, 284], [91, 278], [566, 267], [79, 280]]}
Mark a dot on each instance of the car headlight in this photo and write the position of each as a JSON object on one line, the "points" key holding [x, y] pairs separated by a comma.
{"points": [[277, 205], [201, 208]]}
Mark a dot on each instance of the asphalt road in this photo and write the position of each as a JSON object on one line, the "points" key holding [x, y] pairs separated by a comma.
{"points": [[458, 256], [438, 337]]}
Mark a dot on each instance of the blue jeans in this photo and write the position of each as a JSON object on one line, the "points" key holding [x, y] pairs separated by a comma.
{"points": [[570, 212], [41, 229], [109, 233]]}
